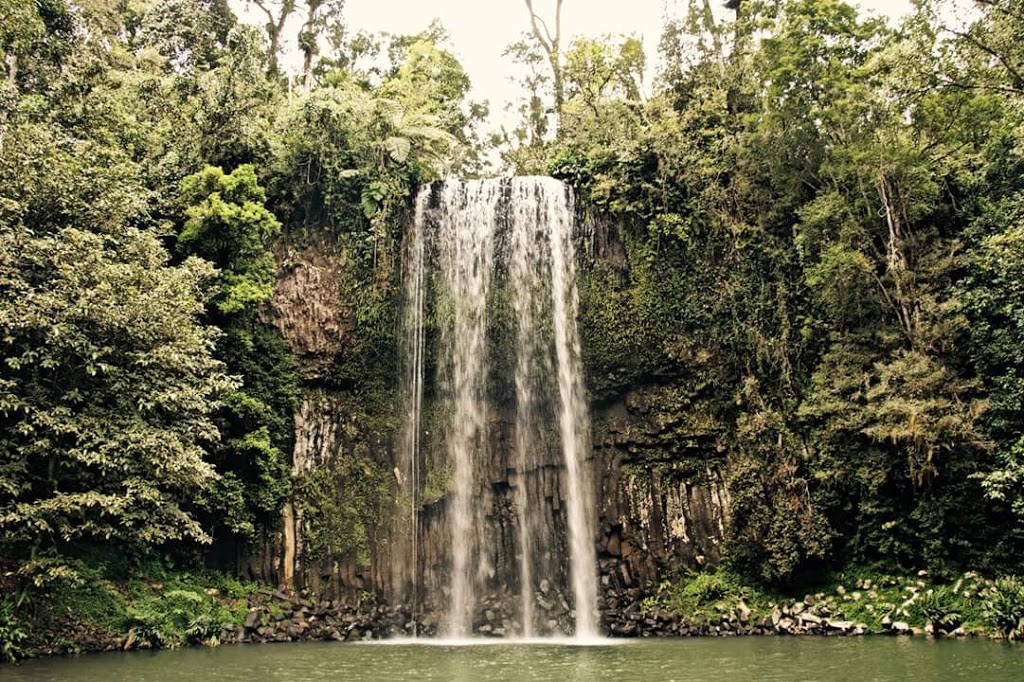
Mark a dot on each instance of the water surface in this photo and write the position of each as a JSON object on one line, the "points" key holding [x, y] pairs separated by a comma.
{"points": [[685, 660]]}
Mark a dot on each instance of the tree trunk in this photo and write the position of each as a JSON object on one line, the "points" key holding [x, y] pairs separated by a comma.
{"points": [[275, 27], [272, 56], [556, 69], [307, 41], [307, 72], [551, 44], [896, 261]]}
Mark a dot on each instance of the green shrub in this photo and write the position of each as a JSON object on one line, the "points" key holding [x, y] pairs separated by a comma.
{"points": [[96, 602], [941, 608], [203, 628], [1004, 607], [707, 588], [700, 594], [11, 632], [234, 588], [178, 617], [150, 628]]}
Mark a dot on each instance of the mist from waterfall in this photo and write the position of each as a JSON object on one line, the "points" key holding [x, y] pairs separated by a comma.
{"points": [[509, 240]]}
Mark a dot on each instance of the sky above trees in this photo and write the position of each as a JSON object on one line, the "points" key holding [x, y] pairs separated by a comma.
{"points": [[481, 31]]}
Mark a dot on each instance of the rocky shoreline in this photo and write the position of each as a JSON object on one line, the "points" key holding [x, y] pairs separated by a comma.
{"points": [[277, 617]]}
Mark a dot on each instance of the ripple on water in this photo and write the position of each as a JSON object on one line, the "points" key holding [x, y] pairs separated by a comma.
{"points": [[449, 642], [569, 660]]}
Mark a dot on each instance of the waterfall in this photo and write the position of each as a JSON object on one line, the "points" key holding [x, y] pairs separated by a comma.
{"points": [[405, 529], [525, 266], [498, 243], [466, 226], [573, 418]]}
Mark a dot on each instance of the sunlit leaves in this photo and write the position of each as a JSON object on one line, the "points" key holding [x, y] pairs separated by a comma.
{"points": [[229, 226]]}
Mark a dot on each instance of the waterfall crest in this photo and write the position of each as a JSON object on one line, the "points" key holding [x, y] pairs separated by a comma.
{"points": [[484, 249]]}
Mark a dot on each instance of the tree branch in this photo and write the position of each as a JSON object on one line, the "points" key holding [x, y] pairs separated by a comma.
{"points": [[536, 22], [266, 10], [1004, 89], [558, 25], [1017, 77], [1000, 8]]}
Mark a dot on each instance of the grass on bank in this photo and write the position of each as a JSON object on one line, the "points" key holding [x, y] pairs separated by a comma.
{"points": [[941, 605], [152, 607]]}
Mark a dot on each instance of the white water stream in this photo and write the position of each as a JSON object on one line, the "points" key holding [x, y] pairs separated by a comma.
{"points": [[531, 221]]}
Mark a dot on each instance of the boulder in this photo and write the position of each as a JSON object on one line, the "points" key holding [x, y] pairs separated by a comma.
{"points": [[252, 620]]}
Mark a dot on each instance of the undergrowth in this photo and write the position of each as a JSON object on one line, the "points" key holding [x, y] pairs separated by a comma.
{"points": [[154, 607], [940, 605]]}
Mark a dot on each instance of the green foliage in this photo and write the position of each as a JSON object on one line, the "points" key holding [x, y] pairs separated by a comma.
{"points": [[864, 597], [1004, 607], [437, 484], [95, 600], [34, 39], [992, 297], [229, 226], [191, 35], [939, 608], [597, 70], [706, 594], [114, 449], [775, 526], [121, 423], [812, 237], [177, 617], [146, 604], [12, 633], [343, 509], [707, 588], [808, 266]]}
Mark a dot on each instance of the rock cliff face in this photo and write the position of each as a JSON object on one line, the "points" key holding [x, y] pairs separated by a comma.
{"points": [[657, 513], [309, 304], [315, 311], [658, 473]]}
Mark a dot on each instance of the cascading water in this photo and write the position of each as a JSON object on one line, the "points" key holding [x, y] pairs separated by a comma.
{"points": [[574, 418], [526, 263], [405, 527], [485, 235], [465, 231]]}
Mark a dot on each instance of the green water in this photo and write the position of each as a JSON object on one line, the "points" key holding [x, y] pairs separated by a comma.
{"points": [[697, 660]]}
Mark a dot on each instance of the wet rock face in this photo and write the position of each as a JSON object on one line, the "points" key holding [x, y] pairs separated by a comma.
{"points": [[653, 515], [280, 617]]}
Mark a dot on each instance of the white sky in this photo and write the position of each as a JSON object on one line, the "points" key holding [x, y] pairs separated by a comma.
{"points": [[482, 29]]}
